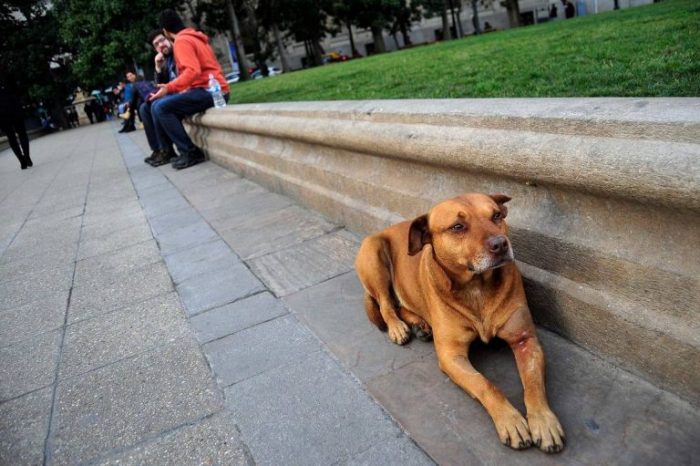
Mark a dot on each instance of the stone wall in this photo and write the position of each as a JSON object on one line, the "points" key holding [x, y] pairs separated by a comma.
{"points": [[605, 216]]}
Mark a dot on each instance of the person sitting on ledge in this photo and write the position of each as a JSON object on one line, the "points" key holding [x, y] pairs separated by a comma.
{"points": [[187, 94]]}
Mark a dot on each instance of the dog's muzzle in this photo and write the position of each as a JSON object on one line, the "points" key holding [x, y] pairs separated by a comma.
{"points": [[498, 253]]}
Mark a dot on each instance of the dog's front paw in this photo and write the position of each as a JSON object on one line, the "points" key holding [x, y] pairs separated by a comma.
{"points": [[546, 431], [513, 430], [399, 332]]}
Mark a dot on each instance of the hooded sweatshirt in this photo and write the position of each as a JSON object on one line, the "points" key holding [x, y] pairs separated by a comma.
{"points": [[195, 60]]}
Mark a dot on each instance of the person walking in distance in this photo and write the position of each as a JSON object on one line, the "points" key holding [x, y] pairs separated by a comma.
{"points": [[12, 124]]}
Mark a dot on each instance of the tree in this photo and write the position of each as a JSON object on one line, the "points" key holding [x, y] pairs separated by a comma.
{"points": [[221, 16], [432, 8], [270, 14], [377, 15], [108, 36], [34, 61], [307, 21], [404, 14], [345, 13], [513, 10]]}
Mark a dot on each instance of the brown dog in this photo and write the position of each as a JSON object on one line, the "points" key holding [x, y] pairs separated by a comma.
{"points": [[451, 272]]}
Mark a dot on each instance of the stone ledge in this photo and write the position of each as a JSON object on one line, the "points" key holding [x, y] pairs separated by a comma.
{"points": [[606, 198]]}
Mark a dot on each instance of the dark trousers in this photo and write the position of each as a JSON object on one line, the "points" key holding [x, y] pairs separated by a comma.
{"points": [[148, 126], [169, 111], [15, 129]]}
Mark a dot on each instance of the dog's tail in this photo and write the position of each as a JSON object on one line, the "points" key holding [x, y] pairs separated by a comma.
{"points": [[373, 313]]}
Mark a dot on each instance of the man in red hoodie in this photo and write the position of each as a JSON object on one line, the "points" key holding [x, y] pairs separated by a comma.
{"points": [[187, 94]]}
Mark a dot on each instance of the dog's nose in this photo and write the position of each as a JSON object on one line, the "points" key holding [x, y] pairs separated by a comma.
{"points": [[497, 244]]}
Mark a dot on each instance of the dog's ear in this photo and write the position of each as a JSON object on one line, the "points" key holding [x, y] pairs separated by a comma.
{"points": [[418, 235], [501, 199]]}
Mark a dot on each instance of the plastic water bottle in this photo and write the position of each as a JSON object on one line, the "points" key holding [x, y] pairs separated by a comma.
{"points": [[215, 90]]}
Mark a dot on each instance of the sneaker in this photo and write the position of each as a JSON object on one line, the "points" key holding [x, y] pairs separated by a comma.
{"points": [[189, 158]]}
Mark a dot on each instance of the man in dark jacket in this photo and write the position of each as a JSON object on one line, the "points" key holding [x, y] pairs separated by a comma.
{"points": [[12, 124], [160, 144]]}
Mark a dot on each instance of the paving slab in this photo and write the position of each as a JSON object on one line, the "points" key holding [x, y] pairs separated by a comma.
{"points": [[53, 226], [267, 232], [147, 179], [208, 177], [114, 240], [241, 206], [99, 230], [24, 424], [308, 413], [163, 201], [62, 214], [334, 311], [219, 192], [193, 176], [55, 253], [144, 283], [59, 203], [184, 237], [41, 239], [260, 348], [400, 451], [111, 337], [306, 264], [120, 404], [231, 318], [17, 283], [200, 259], [105, 268], [113, 212], [218, 287], [33, 318], [601, 428], [157, 191], [212, 441], [29, 364], [174, 220]]}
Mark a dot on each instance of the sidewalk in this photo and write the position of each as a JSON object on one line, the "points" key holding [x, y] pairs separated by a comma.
{"points": [[154, 316]]}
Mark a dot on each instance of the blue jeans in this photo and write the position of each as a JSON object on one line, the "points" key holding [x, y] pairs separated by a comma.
{"points": [[149, 127], [169, 111]]}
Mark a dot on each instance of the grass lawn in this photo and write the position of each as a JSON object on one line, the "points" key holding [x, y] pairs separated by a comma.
{"points": [[652, 50]]}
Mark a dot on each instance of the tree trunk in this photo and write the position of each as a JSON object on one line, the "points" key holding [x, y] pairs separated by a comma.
{"points": [[446, 33], [513, 12], [406, 36], [460, 29], [280, 48], [317, 52], [379, 45], [309, 57], [475, 17], [454, 20], [240, 50], [353, 50]]}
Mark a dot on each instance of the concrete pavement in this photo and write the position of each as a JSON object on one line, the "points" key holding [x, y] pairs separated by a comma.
{"points": [[153, 316]]}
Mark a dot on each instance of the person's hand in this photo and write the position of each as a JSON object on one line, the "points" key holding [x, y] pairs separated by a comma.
{"points": [[159, 60], [162, 92]]}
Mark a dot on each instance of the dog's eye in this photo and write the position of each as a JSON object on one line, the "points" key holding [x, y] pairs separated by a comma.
{"points": [[458, 227], [497, 217]]}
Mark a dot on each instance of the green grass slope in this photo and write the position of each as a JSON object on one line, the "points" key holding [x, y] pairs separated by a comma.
{"points": [[652, 50]]}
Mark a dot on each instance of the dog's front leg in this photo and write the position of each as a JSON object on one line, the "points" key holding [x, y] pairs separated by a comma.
{"points": [[452, 352], [545, 428]]}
